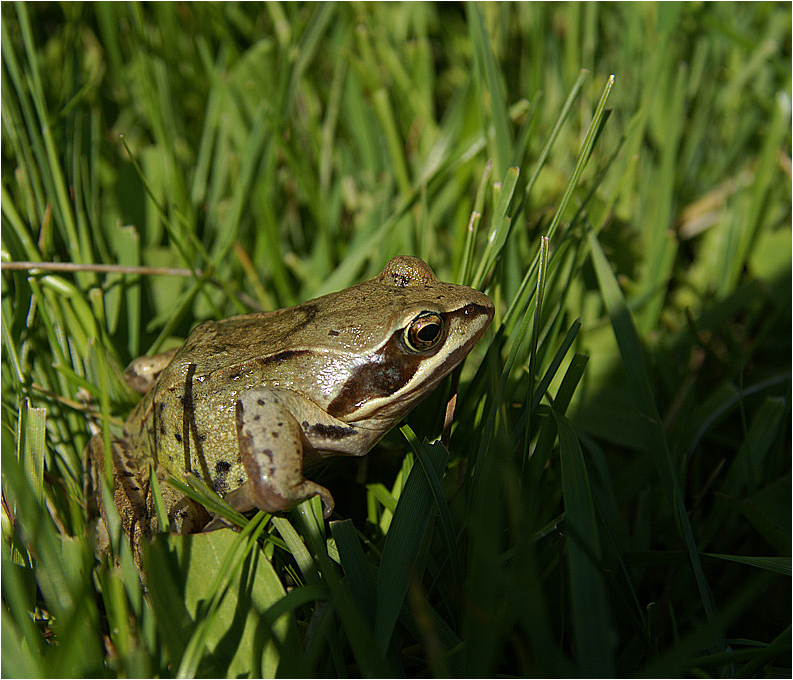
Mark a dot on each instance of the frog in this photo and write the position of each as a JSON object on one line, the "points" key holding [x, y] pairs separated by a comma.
{"points": [[248, 403]]}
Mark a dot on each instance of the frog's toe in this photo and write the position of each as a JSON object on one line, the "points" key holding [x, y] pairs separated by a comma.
{"points": [[325, 496], [219, 522]]}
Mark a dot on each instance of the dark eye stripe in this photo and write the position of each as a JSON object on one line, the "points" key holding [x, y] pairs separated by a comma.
{"points": [[391, 370], [394, 366]]}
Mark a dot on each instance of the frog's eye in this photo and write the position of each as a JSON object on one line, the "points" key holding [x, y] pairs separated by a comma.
{"points": [[424, 332]]}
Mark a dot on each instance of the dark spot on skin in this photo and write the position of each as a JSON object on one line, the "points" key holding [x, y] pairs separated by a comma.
{"points": [[260, 402], [159, 409], [274, 434], [239, 416], [177, 436], [221, 470], [257, 417], [333, 333], [330, 431], [280, 424], [162, 429], [280, 356]]}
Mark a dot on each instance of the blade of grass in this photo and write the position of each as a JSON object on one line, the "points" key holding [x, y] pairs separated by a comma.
{"points": [[18, 660], [401, 548], [298, 549], [632, 354], [56, 185], [361, 641], [465, 275], [780, 565], [591, 619], [679, 660], [499, 228], [745, 222], [557, 128], [356, 570], [583, 156], [535, 334], [486, 62], [424, 457], [547, 379]]}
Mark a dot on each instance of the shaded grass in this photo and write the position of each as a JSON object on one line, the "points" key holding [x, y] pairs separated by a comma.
{"points": [[626, 514]]}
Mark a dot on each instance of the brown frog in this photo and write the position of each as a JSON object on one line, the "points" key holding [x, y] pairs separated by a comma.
{"points": [[247, 402]]}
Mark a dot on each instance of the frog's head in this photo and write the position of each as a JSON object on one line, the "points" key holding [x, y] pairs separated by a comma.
{"points": [[410, 330]]}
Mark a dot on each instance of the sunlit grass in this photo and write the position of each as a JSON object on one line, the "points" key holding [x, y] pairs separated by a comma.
{"points": [[615, 494]]}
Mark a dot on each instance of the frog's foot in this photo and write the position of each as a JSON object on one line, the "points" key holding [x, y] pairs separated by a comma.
{"points": [[219, 522], [271, 449]]}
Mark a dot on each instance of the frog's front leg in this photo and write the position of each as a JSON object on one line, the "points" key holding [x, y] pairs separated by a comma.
{"points": [[272, 440]]}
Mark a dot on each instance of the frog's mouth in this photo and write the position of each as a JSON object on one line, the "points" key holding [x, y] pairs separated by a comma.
{"points": [[396, 379]]}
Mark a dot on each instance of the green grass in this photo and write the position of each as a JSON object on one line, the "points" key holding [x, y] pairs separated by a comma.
{"points": [[615, 497]]}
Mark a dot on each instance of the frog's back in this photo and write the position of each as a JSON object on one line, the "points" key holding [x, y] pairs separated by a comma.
{"points": [[185, 427], [186, 422]]}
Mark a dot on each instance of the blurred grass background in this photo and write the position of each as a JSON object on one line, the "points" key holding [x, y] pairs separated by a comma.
{"points": [[628, 514]]}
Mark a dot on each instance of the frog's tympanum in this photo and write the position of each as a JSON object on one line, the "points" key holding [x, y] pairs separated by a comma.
{"points": [[246, 403]]}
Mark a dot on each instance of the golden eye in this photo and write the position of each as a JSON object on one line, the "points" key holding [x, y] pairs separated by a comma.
{"points": [[424, 332]]}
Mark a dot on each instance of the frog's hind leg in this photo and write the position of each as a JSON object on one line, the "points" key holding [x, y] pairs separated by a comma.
{"points": [[271, 448], [93, 469], [130, 494], [133, 498]]}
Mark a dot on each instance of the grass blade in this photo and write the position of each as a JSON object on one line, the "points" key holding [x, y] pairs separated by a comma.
{"points": [[401, 549], [356, 570], [492, 77], [632, 355], [780, 565], [591, 619]]}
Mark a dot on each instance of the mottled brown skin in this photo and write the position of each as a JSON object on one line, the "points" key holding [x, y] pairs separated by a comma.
{"points": [[247, 402]]}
